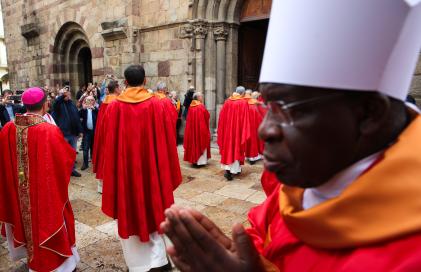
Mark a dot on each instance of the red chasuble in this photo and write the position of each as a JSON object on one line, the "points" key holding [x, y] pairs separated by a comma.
{"points": [[35, 167], [373, 225], [169, 108], [142, 168], [254, 145], [233, 130], [197, 133], [99, 139]]}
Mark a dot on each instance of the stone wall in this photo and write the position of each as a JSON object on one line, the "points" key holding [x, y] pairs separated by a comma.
{"points": [[163, 54], [32, 60], [151, 39]]}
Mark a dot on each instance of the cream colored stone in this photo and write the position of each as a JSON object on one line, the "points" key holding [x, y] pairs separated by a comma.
{"points": [[257, 197], [108, 228], [209, 199], [235, 191]]}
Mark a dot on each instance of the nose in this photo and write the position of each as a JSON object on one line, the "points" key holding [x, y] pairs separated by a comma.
{"points": [[270, 130]]}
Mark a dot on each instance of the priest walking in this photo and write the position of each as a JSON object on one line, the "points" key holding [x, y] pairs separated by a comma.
{"points": [[100, 133], [169, 108], [233, 132], [197, 133], [140, 171], [35, 167], [254, 146]]}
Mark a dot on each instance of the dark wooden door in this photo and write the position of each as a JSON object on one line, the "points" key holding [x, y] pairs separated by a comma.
{"points": [[251, 43]]}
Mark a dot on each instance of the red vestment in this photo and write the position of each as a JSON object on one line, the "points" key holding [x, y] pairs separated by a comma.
{"points": [[373, 225], [254, 146], [169, 108], [99, 139], [269, 182], [35, 167], [197, 132], [233, 130], [142, 168]]}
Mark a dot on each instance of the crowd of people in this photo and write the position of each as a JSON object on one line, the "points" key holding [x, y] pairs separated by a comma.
{"points": [[340, 141]]}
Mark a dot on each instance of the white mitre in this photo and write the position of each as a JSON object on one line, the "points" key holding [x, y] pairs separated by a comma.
{"points": [[365, 45]]}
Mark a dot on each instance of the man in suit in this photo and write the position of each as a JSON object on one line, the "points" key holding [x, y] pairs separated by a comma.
{"points": [[8, 109], [88, 115]]}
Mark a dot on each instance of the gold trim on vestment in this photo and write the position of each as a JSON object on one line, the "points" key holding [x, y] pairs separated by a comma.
{"points": [[22, 123]]}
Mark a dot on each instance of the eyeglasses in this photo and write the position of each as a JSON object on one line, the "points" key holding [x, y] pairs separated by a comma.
{"points": [[282, 110]]}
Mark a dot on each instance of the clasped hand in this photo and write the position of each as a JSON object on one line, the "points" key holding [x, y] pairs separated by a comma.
{"points": [[199, 245]]}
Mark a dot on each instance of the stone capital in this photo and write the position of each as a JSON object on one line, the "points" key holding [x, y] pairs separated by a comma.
{"points": [[186, 31], [220, 32], [200, 29]]}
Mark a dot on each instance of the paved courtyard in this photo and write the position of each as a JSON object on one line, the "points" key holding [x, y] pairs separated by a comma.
{"points": [[204, 189]]}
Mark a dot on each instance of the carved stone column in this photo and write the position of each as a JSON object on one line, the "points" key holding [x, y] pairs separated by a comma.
{"points": [[186, 32], [220, 33], [200, 32]]}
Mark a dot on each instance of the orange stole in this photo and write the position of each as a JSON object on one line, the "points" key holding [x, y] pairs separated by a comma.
{"points": [[387, 190], [253, 101], [160, 95], [195, 103], [235, 96], [134, 95], [110, 98]]}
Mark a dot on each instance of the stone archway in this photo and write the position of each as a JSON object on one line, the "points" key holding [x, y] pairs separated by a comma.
{"points": [[254, 21], [72, 57], [214, 31]]}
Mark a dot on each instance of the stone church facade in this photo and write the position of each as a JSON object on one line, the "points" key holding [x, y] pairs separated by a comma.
{"points": [[213, 45]]}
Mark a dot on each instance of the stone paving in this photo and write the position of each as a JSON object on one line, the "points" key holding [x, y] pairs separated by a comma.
{"points": [[204, 189]]}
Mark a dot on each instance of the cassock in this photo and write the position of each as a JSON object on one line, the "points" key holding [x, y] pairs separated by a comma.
{"points": [[197, 134], [373, 224], [35, 212], [254, 146], [233, 132], [100, 136], [140, 174]]}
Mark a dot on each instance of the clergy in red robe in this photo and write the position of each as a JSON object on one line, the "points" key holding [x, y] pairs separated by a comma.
{"points": [[35, 167], [344, 144], [170, 109], [197, 133], [140, 171], [254, 146], [233, 133], [100, 134]]}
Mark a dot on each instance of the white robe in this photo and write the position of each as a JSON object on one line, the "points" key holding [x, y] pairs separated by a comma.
{"points": [[141, 257], [257, 158], [17, 253], [234, 168], [203, 160]]}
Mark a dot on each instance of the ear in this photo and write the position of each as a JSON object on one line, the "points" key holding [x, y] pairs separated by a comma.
{"points": [[44, 107], [376, 109], [144, 82]]}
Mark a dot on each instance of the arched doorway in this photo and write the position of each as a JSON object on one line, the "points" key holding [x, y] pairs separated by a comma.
{"points": [[72, 57], [227, 44], [252, 33], [84, 64]]}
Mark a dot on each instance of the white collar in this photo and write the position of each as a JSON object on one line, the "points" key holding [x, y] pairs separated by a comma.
{"points": [[34, 114], [335, 186]]}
